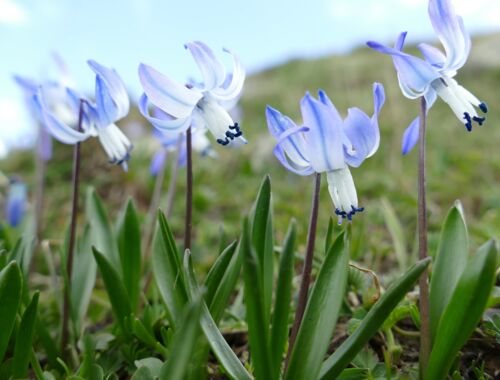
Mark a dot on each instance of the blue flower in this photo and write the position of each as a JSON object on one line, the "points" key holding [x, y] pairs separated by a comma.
{"points": [[202, 105], [328, 143], [16, 202], [98, 119], [433, 76]]}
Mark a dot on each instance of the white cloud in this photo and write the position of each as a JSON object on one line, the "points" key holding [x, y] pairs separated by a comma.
{"points": [[16, 128], [12, 13]]}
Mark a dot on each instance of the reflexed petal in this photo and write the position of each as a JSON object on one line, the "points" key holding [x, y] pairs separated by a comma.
{"points": [[325, 136], [410, 137], [44, 147], [158, 162], [211, 68], [450, 29], [58, 129], [323, 98], [363, 135], [413, 73], [110, 93], [28, 85], [167, 138], [293, 144], [283, 149], [378, 102], [15, 205], [432, 55], [173, 98], [233, 85], [167, 124]]}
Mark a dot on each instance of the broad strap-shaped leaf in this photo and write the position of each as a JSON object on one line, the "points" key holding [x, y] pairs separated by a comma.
{"points": [[463, 312], [24, 339], [23, 253], [320, 316], [116, 292], [282, 303], [129, 248], [258, 330], [167, 270], [217, 271], [261, 221], [449, 264], [184, 342], [83, 277], [102, 233], [226, 357], [10, 297], [373, 320]]}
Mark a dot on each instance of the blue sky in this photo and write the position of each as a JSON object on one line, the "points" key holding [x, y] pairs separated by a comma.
{"points": [[262, 32]]}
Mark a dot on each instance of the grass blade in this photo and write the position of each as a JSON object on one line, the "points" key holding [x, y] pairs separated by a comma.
{"points": [[341, 358], [10, 296], [449, 264], [129, 248], [320, 316], [116, 291], [24, 339], [282, 305], [463, 312], [397, 233]]}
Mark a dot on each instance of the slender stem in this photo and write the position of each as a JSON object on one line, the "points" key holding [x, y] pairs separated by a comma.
{"points": [[72, 238], [174, 173], [425, 341], [306, 272], [189, 192]]}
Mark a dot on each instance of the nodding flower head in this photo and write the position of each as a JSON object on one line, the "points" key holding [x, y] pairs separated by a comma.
{"points": [[201, 105], [433, 76], [97, 118], [327, 143]]}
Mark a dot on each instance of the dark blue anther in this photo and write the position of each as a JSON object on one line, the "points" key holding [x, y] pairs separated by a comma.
{"points": [[484, 107], [341, 213], [223, 142], [479, 120], [357, 209], [236, 129], [349, 216], [230, 135], [468, 120]]}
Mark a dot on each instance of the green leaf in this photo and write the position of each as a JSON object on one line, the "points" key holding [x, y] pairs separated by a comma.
{"points": [[116, 291], [397, 233], [463, 312], [10, 297], [129, 247], [449, 264], [184, 342], [102, 237], [226, 357], [354, 374], [226, 287], [261, 221], [217, 271], [167, 270], [258, 330], [83, 277], [370, 324], [320, 316], [282, 303], [24, 339], [23, 253], [144, 335]]}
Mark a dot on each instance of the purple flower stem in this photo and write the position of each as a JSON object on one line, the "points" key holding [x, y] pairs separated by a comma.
{"points": [[189, 192]]}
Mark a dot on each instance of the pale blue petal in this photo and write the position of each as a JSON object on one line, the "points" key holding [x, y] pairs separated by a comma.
{"points": [[44, 147], [413, 73], [158, 162], [173, 98], [410, 137], [450, 29], [282, 149], [28, 85], [15, 205], [57, 129], [291, 144], [211, 68], [110, 93], [325, 136], [432, 55], [168, 123], [232, 87], [362, 134]]}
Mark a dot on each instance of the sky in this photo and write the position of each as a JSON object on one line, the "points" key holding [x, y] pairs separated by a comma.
{"points": [[121, 34]]}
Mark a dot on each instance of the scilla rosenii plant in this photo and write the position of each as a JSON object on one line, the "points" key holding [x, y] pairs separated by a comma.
{"points": [[325, 143], [195, 106], [427, 79], [83, 120]]}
